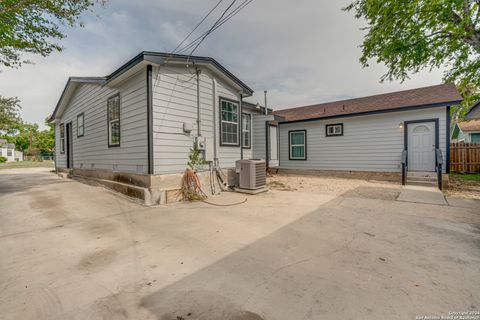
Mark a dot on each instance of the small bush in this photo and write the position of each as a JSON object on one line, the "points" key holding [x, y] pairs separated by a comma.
{"points": [[3, 159]]}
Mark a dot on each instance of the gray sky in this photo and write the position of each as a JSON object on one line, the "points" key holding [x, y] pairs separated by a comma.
{"points": [[302, 52]]}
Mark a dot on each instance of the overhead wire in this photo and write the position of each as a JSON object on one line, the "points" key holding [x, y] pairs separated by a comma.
{"points": [[198, 25], [224, 17], [211, 28], [214, 27]]}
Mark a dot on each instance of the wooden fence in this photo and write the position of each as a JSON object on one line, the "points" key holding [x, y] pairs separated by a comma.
{"points": [[465, 157]]}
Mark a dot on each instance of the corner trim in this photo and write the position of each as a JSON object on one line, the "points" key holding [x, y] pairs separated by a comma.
{"points": [[267, 145], [150, 119]]}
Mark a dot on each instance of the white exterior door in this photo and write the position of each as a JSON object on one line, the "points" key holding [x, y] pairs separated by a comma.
{"points": [[273, 143], [421, 146]]}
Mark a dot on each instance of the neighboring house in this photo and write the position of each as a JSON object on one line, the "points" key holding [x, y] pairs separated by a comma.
{"points": [[8, 151], [136, 126], [468, 130], [474, 112], [370, 133]]}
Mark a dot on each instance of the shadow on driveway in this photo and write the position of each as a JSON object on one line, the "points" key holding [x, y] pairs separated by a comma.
{"points": [[353, 258]]}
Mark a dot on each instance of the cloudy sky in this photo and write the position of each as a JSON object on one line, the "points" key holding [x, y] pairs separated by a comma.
{"points": [[302, 52]]}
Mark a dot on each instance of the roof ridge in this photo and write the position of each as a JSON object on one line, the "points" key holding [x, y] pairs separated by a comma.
{"points": [[365, 97]]}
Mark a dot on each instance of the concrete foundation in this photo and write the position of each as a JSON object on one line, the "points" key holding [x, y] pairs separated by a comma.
{"points": [[366, 175], [146, 189], [251, 191]]}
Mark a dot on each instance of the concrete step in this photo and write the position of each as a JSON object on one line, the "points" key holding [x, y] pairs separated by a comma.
{"points": [[421, 179], [421, 183], [422, 174]]}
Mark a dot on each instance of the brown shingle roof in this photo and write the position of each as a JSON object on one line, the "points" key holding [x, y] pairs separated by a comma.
{"points": [[444, 94], [470, 125]]}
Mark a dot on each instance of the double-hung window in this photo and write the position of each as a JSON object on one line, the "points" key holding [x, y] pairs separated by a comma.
{"points": [[113, 105], [334, 129], [229, 123], [62, 138], [297, 145], [246, 130], [80, 126]]}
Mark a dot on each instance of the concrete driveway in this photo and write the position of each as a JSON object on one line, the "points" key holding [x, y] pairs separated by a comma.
{"points": [[73, 251]]}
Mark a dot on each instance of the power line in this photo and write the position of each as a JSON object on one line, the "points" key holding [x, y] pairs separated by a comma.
{"points": [[215, 26], [229, 16], [198, 25]]}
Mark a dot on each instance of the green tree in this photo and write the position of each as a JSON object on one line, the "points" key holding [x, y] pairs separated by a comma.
{"points": [[21, 136], [9, 114], [42, 140], [45, 139], [411, 35], [35, 26]]}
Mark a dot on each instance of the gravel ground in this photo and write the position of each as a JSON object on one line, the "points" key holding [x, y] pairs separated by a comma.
{"points": [[334, 186], [370, 189]]}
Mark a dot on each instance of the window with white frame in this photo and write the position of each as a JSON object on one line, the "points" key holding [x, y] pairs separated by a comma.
{"points": [[229, 123], [62, 138], [297, 145], [334, 129], [113, 104], [247, 130], [80, 126]]}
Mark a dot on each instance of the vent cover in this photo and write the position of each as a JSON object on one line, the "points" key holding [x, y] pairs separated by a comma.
{"points": [[252, 173]]}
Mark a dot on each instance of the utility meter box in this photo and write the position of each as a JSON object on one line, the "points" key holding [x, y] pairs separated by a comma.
{"points": [[200, 143], [206, 146]]}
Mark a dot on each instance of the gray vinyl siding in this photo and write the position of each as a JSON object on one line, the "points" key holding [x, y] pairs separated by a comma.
{"points": [[91, 150], [175, 102], [259, 135], [369, 143]]}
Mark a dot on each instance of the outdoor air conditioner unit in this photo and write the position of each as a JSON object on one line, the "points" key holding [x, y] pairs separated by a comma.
{"points": [[251, 174]]}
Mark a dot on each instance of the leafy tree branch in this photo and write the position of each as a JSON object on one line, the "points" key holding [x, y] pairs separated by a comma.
{"points": [[411, 35], [35, 26]]}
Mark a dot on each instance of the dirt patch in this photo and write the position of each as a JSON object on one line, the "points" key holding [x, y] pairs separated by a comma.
{"points": [[96, 261], [463, 189], [332, 185], [279, 185]]}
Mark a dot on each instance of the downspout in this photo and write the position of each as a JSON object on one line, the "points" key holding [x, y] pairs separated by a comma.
{"points": [[267, 144], [199, 131], [265, 97], [55, 154], [241, 126], [267, 133], [150, 119], [214, 108]]}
